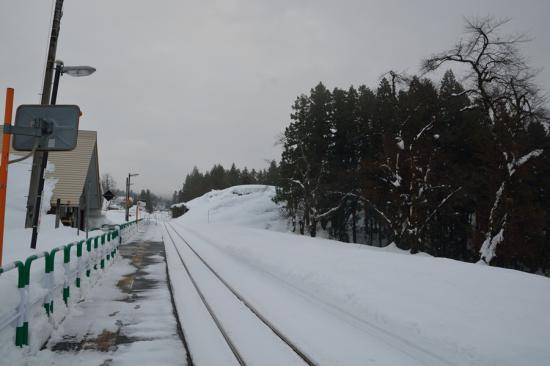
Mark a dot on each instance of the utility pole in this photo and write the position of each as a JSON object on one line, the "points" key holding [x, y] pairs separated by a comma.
{"points": [[127, 217], [128, 184], [40, 158]]}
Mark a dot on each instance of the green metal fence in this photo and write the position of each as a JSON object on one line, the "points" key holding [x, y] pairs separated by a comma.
{"points": [[91, 255]]}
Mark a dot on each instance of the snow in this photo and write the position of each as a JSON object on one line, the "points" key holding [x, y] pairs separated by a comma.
{"points": [[16, 238], [512, 167], [400, 143], [246, 205], [147, 321], [17, 247], [350, 304], [468, 107], [424, 129], [341, 304]]}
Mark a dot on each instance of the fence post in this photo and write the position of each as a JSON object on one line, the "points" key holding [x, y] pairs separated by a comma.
{"points": [[22, 329], [49, 280], [80, 263], [67, 272], [96, 239], [102, 252], [89, 261], [108, 249], [23, 302]]}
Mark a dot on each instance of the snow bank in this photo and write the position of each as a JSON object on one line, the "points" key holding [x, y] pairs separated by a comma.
{"points": [[245, 205], [464, 313], [17, 247], [16, 238]]}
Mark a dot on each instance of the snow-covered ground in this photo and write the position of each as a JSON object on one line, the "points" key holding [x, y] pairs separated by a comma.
{"points": [[16, 238], [348, 304], [17, 247], [127, 318], [341, 304]]}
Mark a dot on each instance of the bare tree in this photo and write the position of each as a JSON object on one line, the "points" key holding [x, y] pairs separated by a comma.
{"points": [[108, 183], [501, 84]]}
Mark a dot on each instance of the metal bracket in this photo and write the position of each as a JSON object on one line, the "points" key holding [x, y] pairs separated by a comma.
{"points": [[40, 128]]}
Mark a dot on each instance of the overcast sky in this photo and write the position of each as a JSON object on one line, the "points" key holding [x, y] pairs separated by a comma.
{"points": [[183, 83]]}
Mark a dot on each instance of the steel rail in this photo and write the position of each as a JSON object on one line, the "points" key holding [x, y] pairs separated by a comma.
{"points": [[307, 359], [220, 327]]}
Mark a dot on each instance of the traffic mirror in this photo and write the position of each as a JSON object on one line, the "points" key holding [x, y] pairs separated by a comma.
{"points": [[46, 127]]}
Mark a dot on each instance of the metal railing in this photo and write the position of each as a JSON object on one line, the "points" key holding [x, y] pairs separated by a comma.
{"points": [[92, 256]]}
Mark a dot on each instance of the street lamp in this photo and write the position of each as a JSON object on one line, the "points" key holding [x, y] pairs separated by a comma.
{"points": [[59, 70], [76, 71], [128, 184]]}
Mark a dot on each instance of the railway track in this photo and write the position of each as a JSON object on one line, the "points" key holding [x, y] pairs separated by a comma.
{"points": [[413, 351], [176, 238]]}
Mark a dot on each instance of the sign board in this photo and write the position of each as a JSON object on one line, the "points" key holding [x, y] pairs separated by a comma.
{"points": [[50, 127], [108, 195]]}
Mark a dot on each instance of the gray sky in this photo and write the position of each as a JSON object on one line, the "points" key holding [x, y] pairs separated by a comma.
{"points": [[184, 83]]}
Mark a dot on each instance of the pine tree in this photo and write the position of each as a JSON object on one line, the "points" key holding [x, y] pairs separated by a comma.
{"points": [[233, 175], [272, 174], [245, 177]]}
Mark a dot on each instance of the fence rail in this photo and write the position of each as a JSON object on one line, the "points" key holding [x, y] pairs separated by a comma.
{"points": [[92, 255]]}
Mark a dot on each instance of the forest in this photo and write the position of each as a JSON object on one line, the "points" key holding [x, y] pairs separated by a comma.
{"points": [[458, 167]]}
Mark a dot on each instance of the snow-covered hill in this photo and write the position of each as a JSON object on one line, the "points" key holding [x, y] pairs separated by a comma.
{"points": [[440, 311], [246, 205]]}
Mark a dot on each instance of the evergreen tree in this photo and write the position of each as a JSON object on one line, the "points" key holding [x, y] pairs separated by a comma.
{"points": [[272, 174], [233, 175], [245, 177], [149, 201]]}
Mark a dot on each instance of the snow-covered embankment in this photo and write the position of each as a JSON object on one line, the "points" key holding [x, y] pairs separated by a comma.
{"points": [[462, 313]]}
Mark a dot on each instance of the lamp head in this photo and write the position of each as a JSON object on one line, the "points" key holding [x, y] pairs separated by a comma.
{"points": [[78, 70]]}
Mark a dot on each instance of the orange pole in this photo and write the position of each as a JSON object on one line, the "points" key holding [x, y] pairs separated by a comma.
{"points": [[4, 167]]}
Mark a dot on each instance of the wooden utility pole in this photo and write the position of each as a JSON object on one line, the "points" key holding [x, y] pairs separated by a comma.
{"points": [[40, 158]]}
